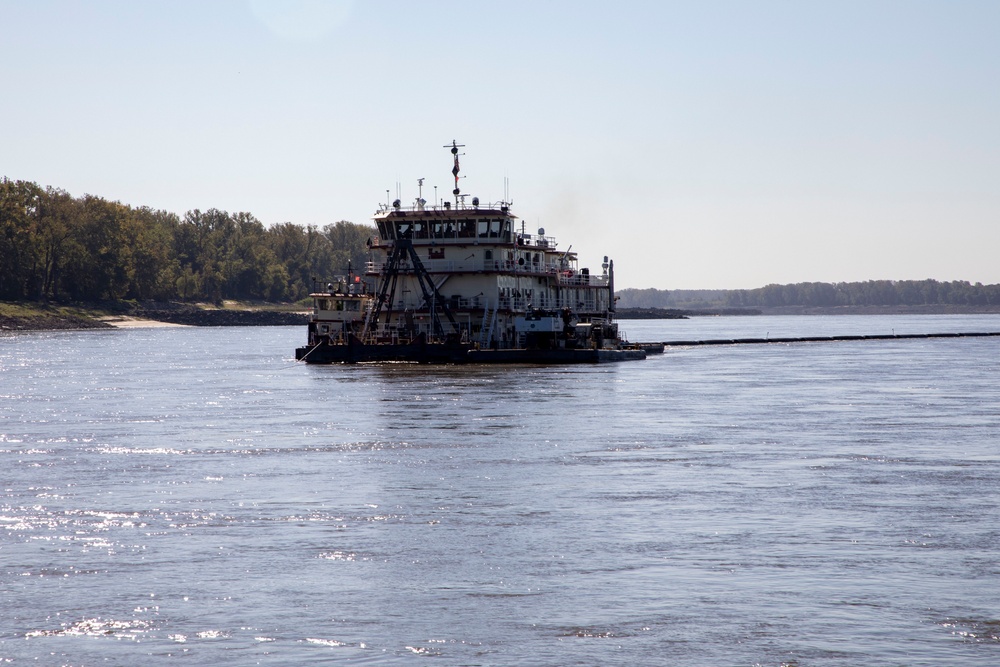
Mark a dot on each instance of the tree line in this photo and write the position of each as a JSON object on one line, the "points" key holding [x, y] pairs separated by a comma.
{"points": [[59, 247], [823, 295], [868, 293]]}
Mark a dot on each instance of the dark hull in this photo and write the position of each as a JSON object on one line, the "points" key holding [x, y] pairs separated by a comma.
{"points": [[354, 351], [557, 356], [451, 353]]}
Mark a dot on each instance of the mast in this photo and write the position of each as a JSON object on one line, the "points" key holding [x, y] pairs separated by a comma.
{"points": [[611, 286], [455, 169]]}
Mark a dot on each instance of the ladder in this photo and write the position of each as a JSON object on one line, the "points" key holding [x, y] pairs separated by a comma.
{"points": [[489, 322]]}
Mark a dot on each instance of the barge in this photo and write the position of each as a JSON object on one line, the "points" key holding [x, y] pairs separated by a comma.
{"points": [[462, 282]]}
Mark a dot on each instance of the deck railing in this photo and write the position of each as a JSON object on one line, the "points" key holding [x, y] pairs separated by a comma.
{"points": [[563, 276]]}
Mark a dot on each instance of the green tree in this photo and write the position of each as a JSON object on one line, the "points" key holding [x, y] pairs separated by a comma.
{"points": [[20, 251], [348, 243], [100, 263], [153, 255]]}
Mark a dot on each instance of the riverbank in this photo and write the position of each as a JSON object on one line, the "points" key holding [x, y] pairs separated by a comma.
{"points": [[41, 317], [22, 316]]}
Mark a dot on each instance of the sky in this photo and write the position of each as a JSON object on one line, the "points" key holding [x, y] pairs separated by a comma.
{"points": [[701, 145]]}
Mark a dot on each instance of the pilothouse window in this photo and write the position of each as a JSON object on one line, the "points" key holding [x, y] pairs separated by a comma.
{"points": [[491, 228]]}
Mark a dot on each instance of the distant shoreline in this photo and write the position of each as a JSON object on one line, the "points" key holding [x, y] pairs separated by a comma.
{"points": [[928, 309], [681, 313]]}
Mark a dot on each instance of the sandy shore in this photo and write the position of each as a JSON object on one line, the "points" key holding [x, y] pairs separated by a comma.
{"points": [[127, 322], [16, 317]]}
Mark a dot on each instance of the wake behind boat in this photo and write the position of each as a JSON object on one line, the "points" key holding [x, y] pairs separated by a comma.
{"points": [[457, 282]]}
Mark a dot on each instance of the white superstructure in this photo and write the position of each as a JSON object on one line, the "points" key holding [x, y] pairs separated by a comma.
{"points": [[470, 270]]}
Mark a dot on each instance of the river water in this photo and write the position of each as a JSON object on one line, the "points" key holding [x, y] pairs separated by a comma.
{"points": [[194, 496]]}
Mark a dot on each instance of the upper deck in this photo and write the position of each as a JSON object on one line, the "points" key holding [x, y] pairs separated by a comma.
{"points": [[421, 223], [439, 227]]}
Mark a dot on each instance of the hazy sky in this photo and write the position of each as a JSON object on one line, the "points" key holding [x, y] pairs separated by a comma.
{"points": [[700, 144]]}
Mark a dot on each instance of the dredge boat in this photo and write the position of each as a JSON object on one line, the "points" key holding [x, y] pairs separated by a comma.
{"points": [[459, 283]]}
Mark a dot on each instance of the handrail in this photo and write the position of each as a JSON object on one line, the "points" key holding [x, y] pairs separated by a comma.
{"points": [[564, 277], [501, 206]]}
